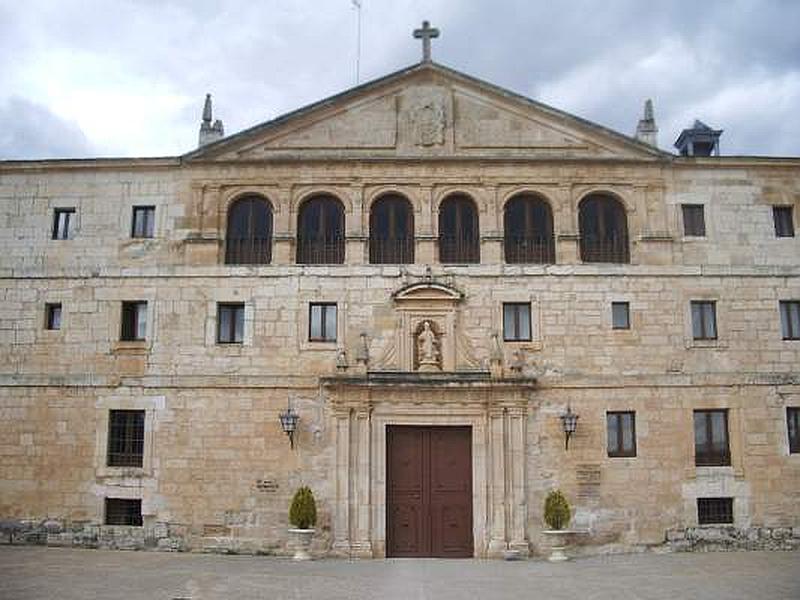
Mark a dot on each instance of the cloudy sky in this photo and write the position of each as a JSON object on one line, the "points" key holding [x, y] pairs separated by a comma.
{"points": [[128, 78]]}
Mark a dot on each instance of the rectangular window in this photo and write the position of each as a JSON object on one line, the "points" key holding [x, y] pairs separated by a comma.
{"points": [[125, 438], [784, 221], [793, 425], [517, 321], [52, 316], [711, 447], [143, 219], [620, 315], [694, 222], [230, 323], [790, 319], [134, 321], [621, 427], [704, 320], [322, 322], [714, 511], [62, 223], [122, 511]]}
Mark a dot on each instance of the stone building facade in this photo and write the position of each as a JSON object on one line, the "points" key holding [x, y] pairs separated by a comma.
{"points": [[159, 314]]}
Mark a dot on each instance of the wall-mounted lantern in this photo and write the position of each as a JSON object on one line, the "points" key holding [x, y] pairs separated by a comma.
{"points": [[569, 422], [289, 420]]}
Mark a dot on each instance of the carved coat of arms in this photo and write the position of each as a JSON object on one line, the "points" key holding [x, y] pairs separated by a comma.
{"points": [[428, 124]]}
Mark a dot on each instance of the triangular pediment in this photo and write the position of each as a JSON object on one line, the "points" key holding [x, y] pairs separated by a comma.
{"points": [[426, 110]]}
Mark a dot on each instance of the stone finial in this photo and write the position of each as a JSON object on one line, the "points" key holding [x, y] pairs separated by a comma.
{"points": [[518, 362], [209, 133], [341, 360], [362, 356], [426, 33], [647, 130], [496, 358]]}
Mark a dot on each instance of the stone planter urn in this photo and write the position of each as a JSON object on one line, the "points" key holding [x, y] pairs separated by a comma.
{"points": [[558, 539], [301, 540]]}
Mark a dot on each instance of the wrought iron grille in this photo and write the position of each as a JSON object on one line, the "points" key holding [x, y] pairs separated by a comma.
{"points": [[125, 438], [714, 510], [459, 249], [248, 251], [398, 251], [609, 250], [529, 250], [320, 250], [122, 511]]}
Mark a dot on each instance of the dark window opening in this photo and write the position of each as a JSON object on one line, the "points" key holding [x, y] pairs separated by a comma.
{"points": [[125, 438], [621, 429], [711, 448], [143, 221], [459, 240], [248, 239], [620, 315], [604, 230], [714, 511], [704, 320], [517, 321], [391, 231], [694, 222], [52, 318], [62, 223], [784, 221], [793, 426], [790, 319], [528, 231], [122, 511], [322, 322], [230, 323], [320, 232], [134, 321]]}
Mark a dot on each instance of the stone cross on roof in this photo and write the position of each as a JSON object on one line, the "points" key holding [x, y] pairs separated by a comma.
{"points": [[426, 34]]}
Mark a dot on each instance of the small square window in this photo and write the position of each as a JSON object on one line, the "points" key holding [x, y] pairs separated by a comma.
{"points": [[122, 511], [52, 316], [694, 222], [790, 319], [142, 222], [793, 425], [230, 323], [134, 321], [704, 320], [714, 511], [711, 447], [620, 315], [63, 221], [784, 221], [322, 322], [517, 321], [621, 429], [125, 438]]}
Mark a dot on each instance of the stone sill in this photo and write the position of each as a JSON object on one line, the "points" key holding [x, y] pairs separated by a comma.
{"points": [[131, 347]]}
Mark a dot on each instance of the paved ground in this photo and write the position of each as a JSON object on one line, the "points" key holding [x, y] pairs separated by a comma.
{"points": [[66, 574]]}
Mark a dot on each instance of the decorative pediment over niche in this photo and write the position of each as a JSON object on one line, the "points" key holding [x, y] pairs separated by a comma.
{"points": [[428, 292]]}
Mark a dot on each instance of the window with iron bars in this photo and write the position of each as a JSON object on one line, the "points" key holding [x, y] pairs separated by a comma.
{"points": [[123, 511], [125, 438], [714, 511]]}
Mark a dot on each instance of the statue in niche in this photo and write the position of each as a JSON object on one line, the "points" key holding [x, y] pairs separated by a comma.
{"points": [[428, 353]]}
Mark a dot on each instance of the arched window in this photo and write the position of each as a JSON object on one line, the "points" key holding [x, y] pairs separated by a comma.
{"points": [[391, 231], [528, 230], [248, 237], [604, 230], [459, 240], [320, 231]]}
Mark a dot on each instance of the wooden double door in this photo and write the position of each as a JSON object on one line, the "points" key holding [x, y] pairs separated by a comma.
{"points": [[429, 491]]}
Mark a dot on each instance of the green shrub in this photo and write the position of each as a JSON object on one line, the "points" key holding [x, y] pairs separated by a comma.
{"points": [[556, 510], [303, 512]]}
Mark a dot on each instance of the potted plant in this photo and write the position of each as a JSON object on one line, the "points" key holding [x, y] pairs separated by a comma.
{"points": [[303, 518], [557, 515]]}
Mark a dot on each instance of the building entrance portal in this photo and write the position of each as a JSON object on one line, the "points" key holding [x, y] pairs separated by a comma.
{"points": [[429, 491]]}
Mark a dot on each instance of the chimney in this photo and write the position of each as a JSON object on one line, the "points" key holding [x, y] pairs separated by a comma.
{"points": [[699, 140], [209, 133], [646, 130]]}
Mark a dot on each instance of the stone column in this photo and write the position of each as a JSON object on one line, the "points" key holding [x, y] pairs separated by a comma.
{"points": [[361, 545], [341, 515], [497, 482], [518, 503], [283, 249], [425, 249], [566, 227]]}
